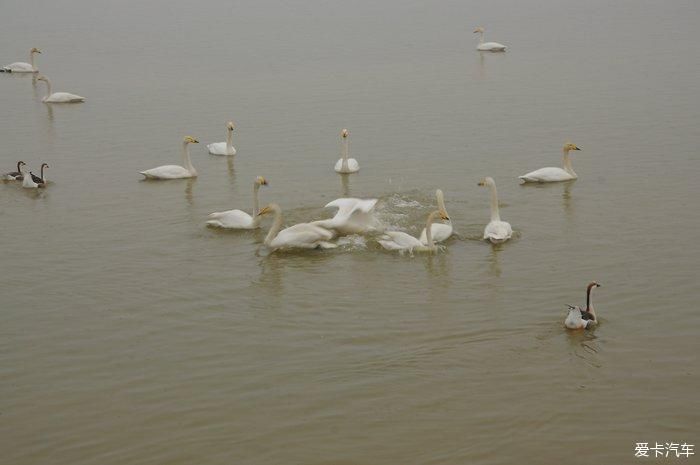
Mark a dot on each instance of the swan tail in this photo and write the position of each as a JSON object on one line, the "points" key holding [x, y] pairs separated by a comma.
{"points": [[327, 245], [215, 224], [5, 70]]}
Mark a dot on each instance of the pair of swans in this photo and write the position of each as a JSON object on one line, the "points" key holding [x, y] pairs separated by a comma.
{"points": [[58, 97], [440, 231], [238, 219], [224, 148], [583, 319], [32, 181], [487, 46], [497, 231], [175, 171], [553, 174], [399, 240], [22, 67], [346, 165]]}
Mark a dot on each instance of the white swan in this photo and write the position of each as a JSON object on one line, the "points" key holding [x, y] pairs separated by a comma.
{"points": [[22, 67], [583, 319], [398, 240], [40, 180], [224, 148], [59, 97], [552, 174], [441, 231], [354, 216], [175, 171], [238, 219], [29, 182], [302, 235], [346, 165], [15, 175], [487, 46], [496, 231]]}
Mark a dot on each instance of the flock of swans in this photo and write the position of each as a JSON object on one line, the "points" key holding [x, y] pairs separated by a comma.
{"points": [[353, 216]]}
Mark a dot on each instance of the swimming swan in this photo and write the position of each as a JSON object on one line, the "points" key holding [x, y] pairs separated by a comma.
{"points": [[302, 235], [59, 97], [488, 46], [441, 231], [238, 219], [496, 231], [346, 165], [398, 240], [15, 175], [583, 319], [552, 174], [22, 67], [40, 180], [224, 148], [175, 171], [354, 216]]}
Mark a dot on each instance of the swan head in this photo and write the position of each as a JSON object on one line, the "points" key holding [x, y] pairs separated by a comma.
{"points": [[344, 133], [479, 29], [487, 181], [569, 147], [444, 216], [21, 163], [35, 50], [271, 208], [593, 284], [42, 78], [44, 165], [190, 140], [230, 126], [260, 181]]}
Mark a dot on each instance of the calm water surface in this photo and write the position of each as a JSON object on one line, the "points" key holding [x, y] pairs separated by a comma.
{"points": [[130, 333]]}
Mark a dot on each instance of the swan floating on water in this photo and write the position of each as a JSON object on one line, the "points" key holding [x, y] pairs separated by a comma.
{"points": [[398, 240], [354, 216], [238, 219], [552, 174], [40, 180], [583, 319], [441, 231], [346, 165], [15, 175], [175, 171], [496, 231], [224, 148], [30, 181], [302, 235], [58, 97], [22, 67], [487, 46]]}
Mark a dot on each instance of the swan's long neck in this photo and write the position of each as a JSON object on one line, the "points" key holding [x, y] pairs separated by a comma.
{"points": [[429, 229], [441, 201], [19, 168], [42, 173], [31, 59], [256, 206], [276, 226], [48, 87], [481, 38], [566, 160], [344, 152], [187, 163], [229, 141], [495, 216], [589, 303]]}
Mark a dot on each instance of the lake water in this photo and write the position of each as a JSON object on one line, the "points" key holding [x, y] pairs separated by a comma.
{"points": [[131, 333]]}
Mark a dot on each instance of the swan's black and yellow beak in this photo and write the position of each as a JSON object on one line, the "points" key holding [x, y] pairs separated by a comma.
{"points": [[481, 183], [576, 148]]}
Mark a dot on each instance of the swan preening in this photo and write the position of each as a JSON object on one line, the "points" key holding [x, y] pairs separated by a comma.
{"points": [[552, 174], [224, 148], [15, 175], [496, 231], [354, 216], [238, 219], [59, 97], [346, 165], [398, 240], [175, 171], [22, 67], [302, 235], [441, 231], [583, 319], [487, 46]]}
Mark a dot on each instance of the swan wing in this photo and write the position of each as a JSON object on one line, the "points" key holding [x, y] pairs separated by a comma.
{"points": [[498, 231], [64, 97], [440, 231], [167, 172], [19, 67], [303, 235], [492, 46], [399, 240], [232, 219], [219, 148], [549, 174]]}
